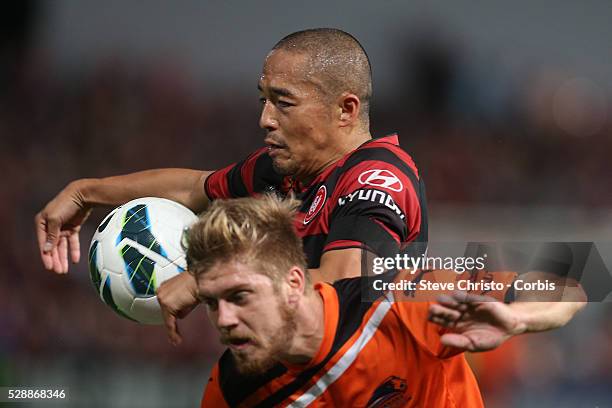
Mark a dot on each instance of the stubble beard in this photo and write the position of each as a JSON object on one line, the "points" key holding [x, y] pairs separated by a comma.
{"points": [[288, 169], [273, 354]]}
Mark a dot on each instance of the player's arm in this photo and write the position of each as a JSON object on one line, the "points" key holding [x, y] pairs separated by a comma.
{"points": [[370, 219], [185, 186], [338, 264], [59, 222], [542, 316], [558, 264], [178, 296], [476, 322], [531, 311], [546, 310], [479, 323], [353, 237]]}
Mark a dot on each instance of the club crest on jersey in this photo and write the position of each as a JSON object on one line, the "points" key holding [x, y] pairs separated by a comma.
{"points": [[381, 178], [317, 204], [390, 394]]}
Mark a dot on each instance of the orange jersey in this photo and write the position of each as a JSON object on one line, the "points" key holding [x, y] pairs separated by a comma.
{"points": [[378, 354]]}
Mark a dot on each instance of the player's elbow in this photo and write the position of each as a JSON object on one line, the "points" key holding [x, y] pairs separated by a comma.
{"points": [[565, 312], [194, 196], [575, 308]]}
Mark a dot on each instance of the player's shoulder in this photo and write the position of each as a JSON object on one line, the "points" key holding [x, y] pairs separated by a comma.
{"points": [[378, 163], [378, 157], [262, 155], [385, 151]]}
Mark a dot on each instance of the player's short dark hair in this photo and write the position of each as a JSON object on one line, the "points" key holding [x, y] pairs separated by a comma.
{"points": [[337, 59]]}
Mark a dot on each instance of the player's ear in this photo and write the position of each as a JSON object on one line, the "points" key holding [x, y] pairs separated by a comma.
{"points": [[296, 283], [349, 105]]}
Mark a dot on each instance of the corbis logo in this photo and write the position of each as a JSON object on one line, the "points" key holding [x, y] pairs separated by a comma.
{"points": [[316, 205], [381, 178]]}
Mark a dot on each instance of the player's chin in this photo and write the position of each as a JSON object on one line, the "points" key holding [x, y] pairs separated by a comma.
{"points": [[284, 166], [253, 363]]}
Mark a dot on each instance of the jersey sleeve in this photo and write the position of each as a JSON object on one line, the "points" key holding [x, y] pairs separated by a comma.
{"points": [[414, 318], [412, 306], [377, 207], [251, 176], [213, 397]]}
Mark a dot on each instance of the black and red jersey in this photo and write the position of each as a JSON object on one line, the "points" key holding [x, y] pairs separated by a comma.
{"points": [[380, 354], [372, 198]]}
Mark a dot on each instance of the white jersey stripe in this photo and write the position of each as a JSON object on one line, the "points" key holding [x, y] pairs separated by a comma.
{"points": [[348, 358]]}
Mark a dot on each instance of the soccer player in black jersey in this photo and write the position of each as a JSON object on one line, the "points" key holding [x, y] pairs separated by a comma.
{"points": [[358, 192]]}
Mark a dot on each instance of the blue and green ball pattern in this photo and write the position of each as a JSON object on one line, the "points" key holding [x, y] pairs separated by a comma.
{"points": [[137, 228], [96, 279]]}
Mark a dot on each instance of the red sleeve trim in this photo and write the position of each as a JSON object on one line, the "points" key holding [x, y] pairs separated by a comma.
{"points": [[247, 172], [216, 186], [343, 244], [389, 230]]}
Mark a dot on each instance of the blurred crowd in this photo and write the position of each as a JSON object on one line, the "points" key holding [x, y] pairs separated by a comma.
{"points": [[477, 136], [486, 130]]}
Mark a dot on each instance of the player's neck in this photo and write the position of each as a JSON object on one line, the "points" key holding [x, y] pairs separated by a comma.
{"points": [[310, 327], [344, 144], [348, 142]]}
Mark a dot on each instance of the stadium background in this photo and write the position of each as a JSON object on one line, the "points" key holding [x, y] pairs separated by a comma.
{"points": [[505, 107]]}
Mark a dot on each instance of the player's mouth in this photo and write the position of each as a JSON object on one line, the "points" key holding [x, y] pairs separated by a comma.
{"points": [[274, 147], [238, 344]]}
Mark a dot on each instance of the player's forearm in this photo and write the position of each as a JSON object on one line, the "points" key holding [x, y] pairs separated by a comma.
{"points": [[338, 264], [542, 316], [550, 309], [182, 185]]}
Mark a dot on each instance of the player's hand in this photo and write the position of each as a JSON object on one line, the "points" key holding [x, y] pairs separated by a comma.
{"points": [[478, 323], [58, 226], [177, 297]]}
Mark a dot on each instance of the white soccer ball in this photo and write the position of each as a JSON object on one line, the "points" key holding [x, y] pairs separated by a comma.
{"points": [[136, 248]]}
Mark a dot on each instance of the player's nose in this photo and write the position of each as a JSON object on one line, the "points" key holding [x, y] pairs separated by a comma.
{"points": [[267, 120], [226, 316]]}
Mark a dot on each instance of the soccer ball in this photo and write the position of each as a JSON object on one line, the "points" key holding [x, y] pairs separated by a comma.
{"points": [[137, 247]]}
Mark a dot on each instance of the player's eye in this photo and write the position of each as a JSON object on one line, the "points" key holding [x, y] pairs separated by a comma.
{"points": [[262, 100], [284, 104], [211, 304], [239, 297]]}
